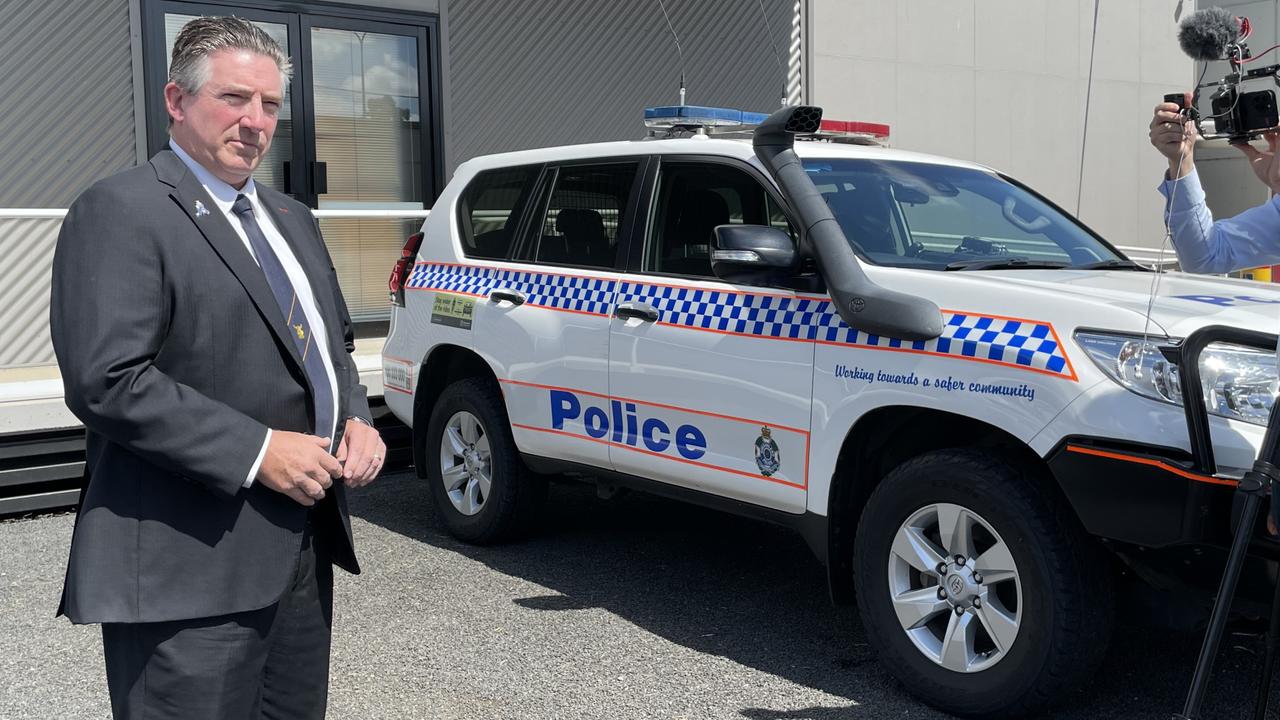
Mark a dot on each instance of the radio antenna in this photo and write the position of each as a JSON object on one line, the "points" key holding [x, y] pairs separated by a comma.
{"points": [[1088, 91], [776, 57], [678, 49]]}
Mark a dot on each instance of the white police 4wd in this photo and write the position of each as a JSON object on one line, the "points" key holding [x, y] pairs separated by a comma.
{"points": [[951, 388]]}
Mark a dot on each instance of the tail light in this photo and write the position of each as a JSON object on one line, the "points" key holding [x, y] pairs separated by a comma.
{"points": [[400, 271]]}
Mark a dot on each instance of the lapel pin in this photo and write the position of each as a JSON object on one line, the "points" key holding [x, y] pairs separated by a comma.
{"points": [[284, 210], [201, 210]]}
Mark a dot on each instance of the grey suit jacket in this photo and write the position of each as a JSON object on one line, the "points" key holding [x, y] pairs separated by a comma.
{"points": [[175, 356]]}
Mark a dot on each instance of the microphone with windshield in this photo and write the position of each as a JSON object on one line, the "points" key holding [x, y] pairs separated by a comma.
{"points": [[1207, 34], [1213, 34]]}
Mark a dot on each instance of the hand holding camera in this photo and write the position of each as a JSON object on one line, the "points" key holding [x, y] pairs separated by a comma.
{"points": [[1173, 133], [1264, 162]]}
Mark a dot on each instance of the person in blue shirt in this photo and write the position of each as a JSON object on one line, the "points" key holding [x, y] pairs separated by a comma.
{"points": [[1247, 240], [1204, 245]]}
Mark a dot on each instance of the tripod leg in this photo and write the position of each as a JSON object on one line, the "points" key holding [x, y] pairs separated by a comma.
{"points": [[1221, 608], [1268, 664]]}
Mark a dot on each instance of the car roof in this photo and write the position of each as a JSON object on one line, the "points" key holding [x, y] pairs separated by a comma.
{"points": [[739, 148]]}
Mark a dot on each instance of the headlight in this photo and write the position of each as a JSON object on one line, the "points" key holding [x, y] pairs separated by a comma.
{"points": [[1239, 383]]}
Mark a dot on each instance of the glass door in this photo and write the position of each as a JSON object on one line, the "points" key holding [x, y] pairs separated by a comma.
{"points": [[367, 108], [370, 146]]}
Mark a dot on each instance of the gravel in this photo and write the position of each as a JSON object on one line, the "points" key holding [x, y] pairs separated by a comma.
{"points": [[636, 607]]}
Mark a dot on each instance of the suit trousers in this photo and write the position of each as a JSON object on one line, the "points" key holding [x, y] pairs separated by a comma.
{"points": [[271, 663]]}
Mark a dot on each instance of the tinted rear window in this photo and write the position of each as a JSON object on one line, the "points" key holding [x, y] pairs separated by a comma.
{"points": [[490, 208]]}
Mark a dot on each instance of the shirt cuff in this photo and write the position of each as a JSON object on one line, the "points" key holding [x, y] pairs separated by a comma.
{"points": [[1188, 187], [253, 471]]}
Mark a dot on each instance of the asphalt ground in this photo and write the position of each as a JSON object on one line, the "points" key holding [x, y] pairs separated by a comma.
{"points": [[637, 607]]}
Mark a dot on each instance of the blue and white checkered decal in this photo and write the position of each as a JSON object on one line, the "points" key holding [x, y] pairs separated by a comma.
{"points": [[769, 316], [1019, 343], [1024, 344], [549, 290]]}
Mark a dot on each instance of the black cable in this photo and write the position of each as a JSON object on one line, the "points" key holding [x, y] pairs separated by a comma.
{"points": [[678, 48], [1084, 134], [776, 57]]}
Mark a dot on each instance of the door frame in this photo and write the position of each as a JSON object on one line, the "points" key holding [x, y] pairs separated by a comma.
{"points": [[299, 18]]}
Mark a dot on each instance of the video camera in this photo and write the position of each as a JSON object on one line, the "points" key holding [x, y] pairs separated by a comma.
{"points": [[1238, 115]]}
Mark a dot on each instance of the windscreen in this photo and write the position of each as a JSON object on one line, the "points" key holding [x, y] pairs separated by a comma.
{"points": [[936, 217]]}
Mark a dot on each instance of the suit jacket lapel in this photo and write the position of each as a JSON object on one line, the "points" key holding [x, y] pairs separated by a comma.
{"points": [[187, 191]]}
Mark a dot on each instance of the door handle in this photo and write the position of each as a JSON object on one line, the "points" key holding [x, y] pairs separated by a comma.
{"points": [[640, 311], [511, 296], [319, 178]]}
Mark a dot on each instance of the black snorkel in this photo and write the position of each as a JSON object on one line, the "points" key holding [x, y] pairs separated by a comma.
{"points": [[862, 304]]}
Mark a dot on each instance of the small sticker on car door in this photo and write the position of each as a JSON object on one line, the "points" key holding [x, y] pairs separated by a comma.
{"points": [[453, 310]]}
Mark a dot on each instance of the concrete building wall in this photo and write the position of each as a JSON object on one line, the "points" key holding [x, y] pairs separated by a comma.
{"points": [[1005, 83]]}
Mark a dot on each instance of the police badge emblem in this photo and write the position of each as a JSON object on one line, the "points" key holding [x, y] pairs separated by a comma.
{"points": [[768, 456]]}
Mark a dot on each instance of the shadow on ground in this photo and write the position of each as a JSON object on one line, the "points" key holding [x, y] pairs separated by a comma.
{"points": [[753, 593]]}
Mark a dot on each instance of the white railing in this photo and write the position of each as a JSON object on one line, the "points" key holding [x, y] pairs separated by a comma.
{"points": [[59, 213], [1149, 255], [1146, 255], [28, 237], [33, 213], [393, 214]]}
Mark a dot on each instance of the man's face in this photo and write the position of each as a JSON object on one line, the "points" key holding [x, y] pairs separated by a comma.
{"points": [[227, 124]]}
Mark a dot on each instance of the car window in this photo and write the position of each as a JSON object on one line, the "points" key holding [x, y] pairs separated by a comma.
{"points": [[584, 215], [489, 208], [939, 217], [691, 200]]}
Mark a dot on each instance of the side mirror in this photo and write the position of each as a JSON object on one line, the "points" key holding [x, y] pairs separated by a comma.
{"points": [[753, 254]]}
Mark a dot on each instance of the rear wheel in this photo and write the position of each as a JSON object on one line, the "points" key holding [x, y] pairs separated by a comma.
{"points": [[482, 491], [979, 594]]}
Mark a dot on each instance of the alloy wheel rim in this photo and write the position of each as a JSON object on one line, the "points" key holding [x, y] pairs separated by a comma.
{"points": [[466, 467], [955, 588]]}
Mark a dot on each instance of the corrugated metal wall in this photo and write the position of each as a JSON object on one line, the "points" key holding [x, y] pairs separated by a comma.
{"points": [[550, 72], [66, 98], [26, 260], [66, 119]]}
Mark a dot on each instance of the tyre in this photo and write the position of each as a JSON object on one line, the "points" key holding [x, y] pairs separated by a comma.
{"points": [[481, 489], [979, 593]]}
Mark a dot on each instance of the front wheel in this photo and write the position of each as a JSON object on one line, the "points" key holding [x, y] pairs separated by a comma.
{"points": [[482, 491], [980, 594]]}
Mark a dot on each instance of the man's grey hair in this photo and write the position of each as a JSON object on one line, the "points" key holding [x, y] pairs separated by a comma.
{"points": [[204, 36]]}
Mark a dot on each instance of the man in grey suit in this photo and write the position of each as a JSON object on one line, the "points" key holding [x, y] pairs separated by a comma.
{"points": [[205, 344]]}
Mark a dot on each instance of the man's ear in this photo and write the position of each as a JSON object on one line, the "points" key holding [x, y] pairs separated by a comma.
{"points": [[173, 96]]}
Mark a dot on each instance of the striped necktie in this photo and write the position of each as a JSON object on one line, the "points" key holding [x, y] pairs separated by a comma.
{"points": [[299, 329]]}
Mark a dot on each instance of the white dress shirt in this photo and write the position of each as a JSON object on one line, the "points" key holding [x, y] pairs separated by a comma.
{"points": [[224, 196]]}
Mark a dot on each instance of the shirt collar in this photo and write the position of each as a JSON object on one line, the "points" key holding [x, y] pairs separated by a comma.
{"points": [[223, 194]]}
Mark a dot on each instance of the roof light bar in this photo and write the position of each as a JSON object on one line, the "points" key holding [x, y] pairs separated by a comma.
{"points": [[669, 116], [852, 131], [730, 120]]}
